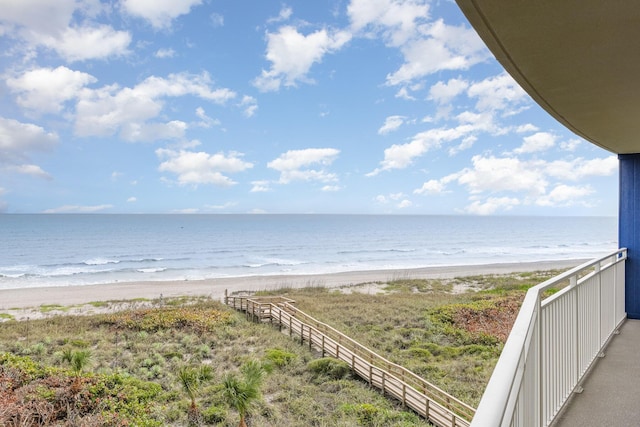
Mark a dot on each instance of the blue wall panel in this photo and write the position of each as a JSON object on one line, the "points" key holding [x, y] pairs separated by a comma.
{"points": [[628, 235]]}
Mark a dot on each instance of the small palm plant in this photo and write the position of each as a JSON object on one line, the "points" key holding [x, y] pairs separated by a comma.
{"points": [[78, 360], [192, 379], [242, 393]]}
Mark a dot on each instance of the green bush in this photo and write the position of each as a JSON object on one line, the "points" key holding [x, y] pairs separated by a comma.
{"points": [[366, 413], [279, 357], [214, 415], [329, 367]]}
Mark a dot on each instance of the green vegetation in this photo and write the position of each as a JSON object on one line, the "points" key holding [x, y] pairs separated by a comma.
{"points": [[242, 393], [448, 331], [196, 362], [192, 378]]}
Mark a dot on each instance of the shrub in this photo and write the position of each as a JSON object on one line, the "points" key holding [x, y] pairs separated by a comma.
{"points": [[329, 367], [214, 415], [366, 413], [279, 357], [107, 400], [197, 319]]}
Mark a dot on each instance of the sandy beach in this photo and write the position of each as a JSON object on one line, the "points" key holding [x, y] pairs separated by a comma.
{"points": [[22, 302]]}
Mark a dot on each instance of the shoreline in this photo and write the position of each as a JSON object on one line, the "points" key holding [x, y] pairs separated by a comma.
{"points": [[24, 298]]}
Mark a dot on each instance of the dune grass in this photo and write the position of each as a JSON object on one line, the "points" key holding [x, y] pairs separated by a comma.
{"points": [[444, 336]]}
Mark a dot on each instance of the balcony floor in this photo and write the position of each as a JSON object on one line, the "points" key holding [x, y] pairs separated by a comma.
{"points": [[611, 395]]}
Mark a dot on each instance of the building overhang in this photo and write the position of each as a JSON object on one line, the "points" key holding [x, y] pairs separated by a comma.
{"points": [[578, 59]]}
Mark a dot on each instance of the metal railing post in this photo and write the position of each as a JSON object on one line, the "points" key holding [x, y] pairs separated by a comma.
{"points": [[540, 356]]}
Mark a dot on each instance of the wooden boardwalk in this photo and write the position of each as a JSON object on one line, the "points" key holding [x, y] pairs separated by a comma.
{"points": [[432, 403]]}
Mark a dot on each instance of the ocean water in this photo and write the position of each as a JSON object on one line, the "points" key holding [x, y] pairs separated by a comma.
{"points": [[67, 250]]}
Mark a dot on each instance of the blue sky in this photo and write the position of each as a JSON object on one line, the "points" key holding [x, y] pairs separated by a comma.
{"points": [[233, 106]]}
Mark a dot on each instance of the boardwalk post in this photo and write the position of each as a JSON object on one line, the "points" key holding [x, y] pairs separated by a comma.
{"points": [[226, 297], [404, 394]]}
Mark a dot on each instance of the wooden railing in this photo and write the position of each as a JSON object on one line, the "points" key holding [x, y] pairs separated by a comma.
{"points": [[432, 403]]}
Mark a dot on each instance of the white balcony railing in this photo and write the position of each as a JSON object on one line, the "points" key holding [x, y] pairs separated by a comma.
{"points": [[553, 343]]}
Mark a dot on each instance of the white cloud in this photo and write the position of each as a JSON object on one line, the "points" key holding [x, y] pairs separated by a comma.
{"points": [[564, 195], [432, 186], [284, 15], [529, 180], [50, 24], [400, 198], [181, 84], [217, 20], [174, 129], [78, 209], [491, 174], [528, 127], [491, 205], [580, 168], [292, 54], [193, 168], [479, 121], [112, 109], [397, 20], [391, 123], [46, 89], [381, 199], [540, 141], [82, 43], [442, 47], [205, 121], [32, 170], [403, 93], [250, 105], [132, 200], [159, 13], [400, 156], [165, 53], [570, 145], [464, 145], [39, 16], [186, 211], [293, 165], [331, 188], [497, 93], [443, 92], [19, 141], [260, 186], [223, 206]]}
